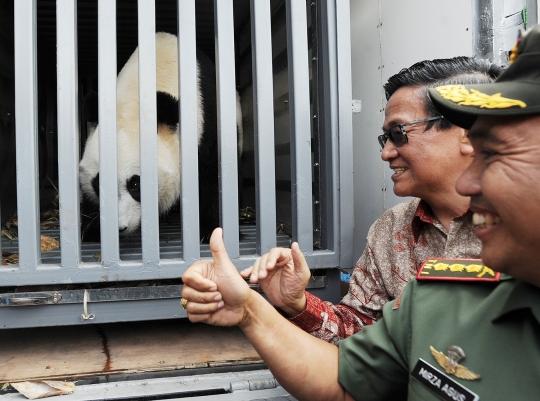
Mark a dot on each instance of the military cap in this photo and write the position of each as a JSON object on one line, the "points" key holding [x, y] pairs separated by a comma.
{"points": [[516, 92]]}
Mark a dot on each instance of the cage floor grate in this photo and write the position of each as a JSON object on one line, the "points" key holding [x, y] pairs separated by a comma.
{"points": [[130, 247]]}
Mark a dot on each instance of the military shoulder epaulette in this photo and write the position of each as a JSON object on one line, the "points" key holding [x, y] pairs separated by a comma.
{"points": [[456, 270]]}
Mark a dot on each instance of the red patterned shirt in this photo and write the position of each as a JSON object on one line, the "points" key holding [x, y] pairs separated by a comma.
{"points": [[397, 244]]}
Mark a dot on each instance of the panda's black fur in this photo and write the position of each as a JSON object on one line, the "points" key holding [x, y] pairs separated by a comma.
{"points": [[167, 118]]}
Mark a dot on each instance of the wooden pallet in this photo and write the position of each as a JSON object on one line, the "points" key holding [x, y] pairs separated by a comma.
{"points": [[82, 351]]}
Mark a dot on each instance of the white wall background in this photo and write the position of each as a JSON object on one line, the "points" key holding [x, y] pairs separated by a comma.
{"points": [[386, 36]]}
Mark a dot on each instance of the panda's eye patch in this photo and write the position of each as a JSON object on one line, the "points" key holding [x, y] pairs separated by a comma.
{"points": [[167, 109], [134, 187]]}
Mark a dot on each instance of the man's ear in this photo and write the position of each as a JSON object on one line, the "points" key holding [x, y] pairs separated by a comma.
{"points": [[465, 146]]}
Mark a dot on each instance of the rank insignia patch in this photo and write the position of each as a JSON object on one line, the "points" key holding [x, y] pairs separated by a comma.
{"points": [[456, 270]]}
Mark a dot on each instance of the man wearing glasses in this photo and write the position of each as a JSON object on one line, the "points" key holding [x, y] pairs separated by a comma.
{"points": [[427, 154]]}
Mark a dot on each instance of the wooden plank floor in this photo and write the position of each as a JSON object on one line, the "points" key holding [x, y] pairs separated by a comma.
{"points": [[82, 351]]}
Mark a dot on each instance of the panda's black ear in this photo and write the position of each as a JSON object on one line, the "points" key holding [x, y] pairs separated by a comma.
{"points": [[90, 107], [167, 109]]}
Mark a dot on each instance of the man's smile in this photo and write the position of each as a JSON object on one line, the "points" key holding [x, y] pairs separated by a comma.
{"points": [[485, 219], [398, 170]]}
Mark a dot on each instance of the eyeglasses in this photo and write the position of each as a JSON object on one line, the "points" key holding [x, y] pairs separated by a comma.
{"points": [[398, 135]]}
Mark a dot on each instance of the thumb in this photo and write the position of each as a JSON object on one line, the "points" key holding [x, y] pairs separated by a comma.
{"points": [[298, 257], [229, 282], [222, 262]]}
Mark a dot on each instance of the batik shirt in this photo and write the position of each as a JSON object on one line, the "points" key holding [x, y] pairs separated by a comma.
{"points": [[397, 244]]}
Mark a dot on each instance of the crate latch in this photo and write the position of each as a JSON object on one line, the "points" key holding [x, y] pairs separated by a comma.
{"points": [[85, 315]]}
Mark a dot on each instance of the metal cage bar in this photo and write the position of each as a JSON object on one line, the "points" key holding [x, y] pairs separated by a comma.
{"points": [[227, 131], [326, 167], [344, 165], [187, 82], [300, 117], [26, 134], [148, 133], [263, 111], [108, 188], [68, 133]]}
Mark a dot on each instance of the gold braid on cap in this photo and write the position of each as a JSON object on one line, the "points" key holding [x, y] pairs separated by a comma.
{"points": [[514, 52], [460, 95]]}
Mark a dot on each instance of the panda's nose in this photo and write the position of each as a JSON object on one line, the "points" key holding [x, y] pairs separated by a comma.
{"points": [[122, 229]]}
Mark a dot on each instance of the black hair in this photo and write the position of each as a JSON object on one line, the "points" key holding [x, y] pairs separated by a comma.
{"points": [[451, 71]]}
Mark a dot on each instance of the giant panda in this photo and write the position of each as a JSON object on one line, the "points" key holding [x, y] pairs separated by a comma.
{"points": [[129, 208]]}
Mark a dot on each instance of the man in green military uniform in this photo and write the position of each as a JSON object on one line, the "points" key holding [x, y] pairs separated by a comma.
{"points": [[464, 329]]}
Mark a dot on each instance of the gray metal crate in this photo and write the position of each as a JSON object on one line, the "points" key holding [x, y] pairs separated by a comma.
{"points": [[290, 61]]}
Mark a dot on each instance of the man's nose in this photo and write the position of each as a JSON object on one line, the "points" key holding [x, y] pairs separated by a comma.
{"points": [[469, 182], [389, 151]]}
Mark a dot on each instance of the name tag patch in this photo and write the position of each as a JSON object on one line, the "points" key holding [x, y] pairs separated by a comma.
{"points": [[439, 383]]}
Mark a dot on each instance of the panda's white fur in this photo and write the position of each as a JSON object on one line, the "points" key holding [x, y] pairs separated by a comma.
{"points": [[129, 209]]}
